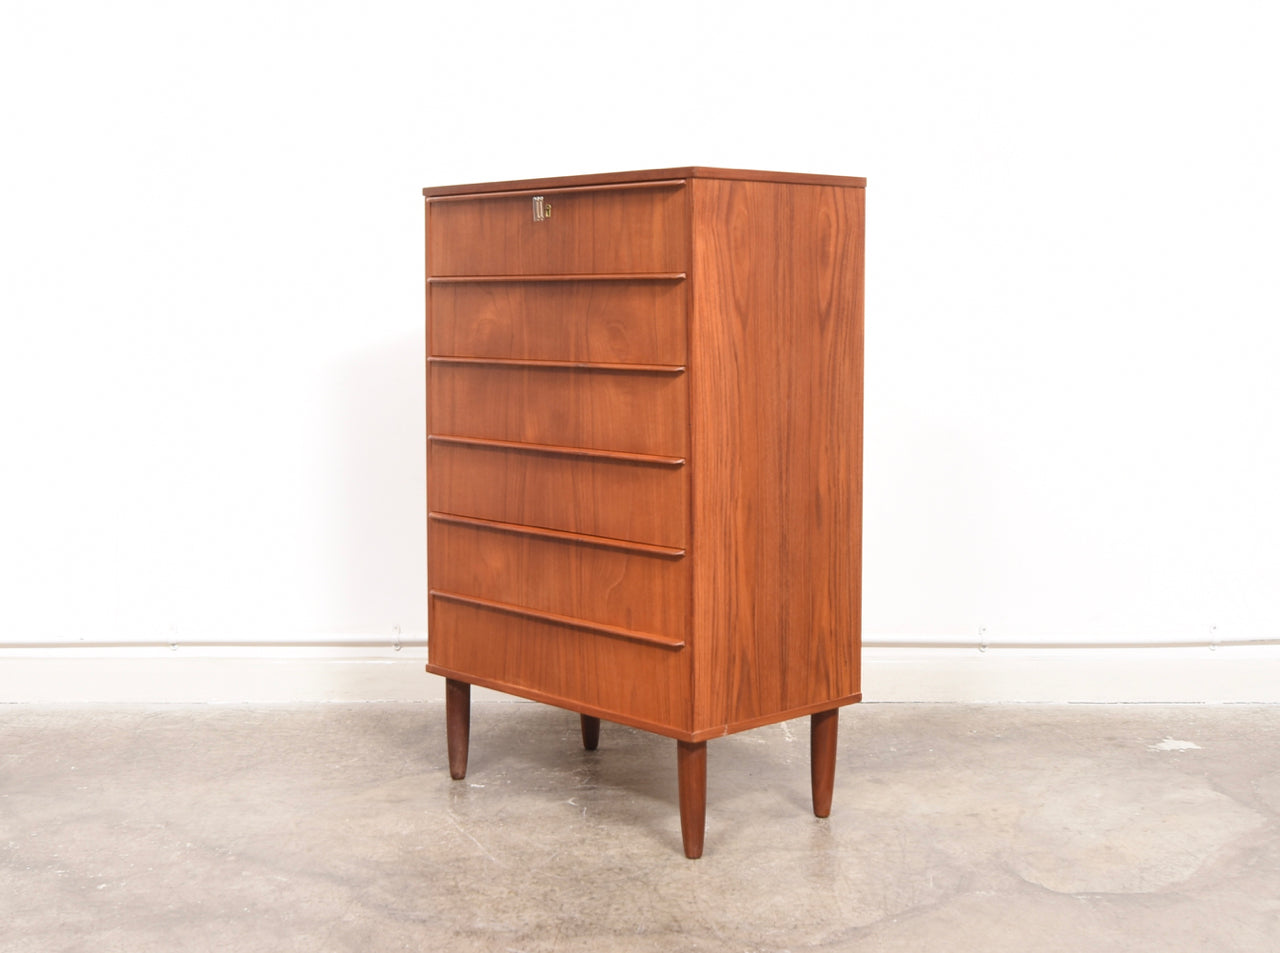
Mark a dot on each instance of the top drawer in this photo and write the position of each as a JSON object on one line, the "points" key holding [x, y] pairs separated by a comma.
{"points": [[635, 228]]}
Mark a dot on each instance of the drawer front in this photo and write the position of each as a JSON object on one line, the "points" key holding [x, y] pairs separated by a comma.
{"points": [[621, 321], [613, 498], [594, 231], [639, 592], [643, 412], [566, 665]]}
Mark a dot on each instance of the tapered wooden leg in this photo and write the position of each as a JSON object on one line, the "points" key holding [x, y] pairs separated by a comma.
{"points": [[457, 714], [822, 758], [691, 768], [590, 732]]}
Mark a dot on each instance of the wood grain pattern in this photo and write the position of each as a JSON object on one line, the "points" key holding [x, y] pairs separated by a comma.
{"points": [[638, 322], [576, 669], [635, 412], [647, 504], [636, 230], [641, 592], [776, 398]]}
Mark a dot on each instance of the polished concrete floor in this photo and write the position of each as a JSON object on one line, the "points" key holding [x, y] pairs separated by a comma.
{"points": [[999, 828]]}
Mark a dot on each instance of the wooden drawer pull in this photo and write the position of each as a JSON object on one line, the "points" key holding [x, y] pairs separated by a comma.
{"points": [[567, 190], [498, 279], [604, 542], [672, 369], [617, 632], [650, 459]]}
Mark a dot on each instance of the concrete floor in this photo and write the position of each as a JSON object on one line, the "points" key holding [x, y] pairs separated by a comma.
{"points": [[321, 828]]}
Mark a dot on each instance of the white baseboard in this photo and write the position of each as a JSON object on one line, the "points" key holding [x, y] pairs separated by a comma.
{"points": [[299, 674], [1063, 675]]}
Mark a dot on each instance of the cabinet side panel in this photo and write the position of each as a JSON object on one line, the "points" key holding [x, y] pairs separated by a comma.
{"points": [[776, 458]]}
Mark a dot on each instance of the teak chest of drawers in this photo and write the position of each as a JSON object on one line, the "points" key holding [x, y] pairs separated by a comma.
{"points": [[644, 461]]}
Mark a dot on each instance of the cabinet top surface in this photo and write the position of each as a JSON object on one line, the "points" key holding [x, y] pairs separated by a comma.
{"points": [[648, 175]]}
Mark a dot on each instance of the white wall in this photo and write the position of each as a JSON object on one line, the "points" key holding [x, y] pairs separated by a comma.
{"points": [[211, 294]]}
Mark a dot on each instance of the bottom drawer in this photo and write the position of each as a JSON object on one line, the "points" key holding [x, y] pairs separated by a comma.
{"points": [[642, 684]]}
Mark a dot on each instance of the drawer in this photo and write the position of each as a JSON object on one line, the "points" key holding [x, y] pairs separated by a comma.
{"points": [[615, 321], [561, 664], [610, 496], [629, 410], [624, 229], [641, 592]]}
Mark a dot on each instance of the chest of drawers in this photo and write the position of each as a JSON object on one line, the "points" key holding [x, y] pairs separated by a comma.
{"points": [[644, 405]]}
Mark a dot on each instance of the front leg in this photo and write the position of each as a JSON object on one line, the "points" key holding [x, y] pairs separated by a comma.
{"points": [[822, 758], [691, 770], [457, 714]]}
